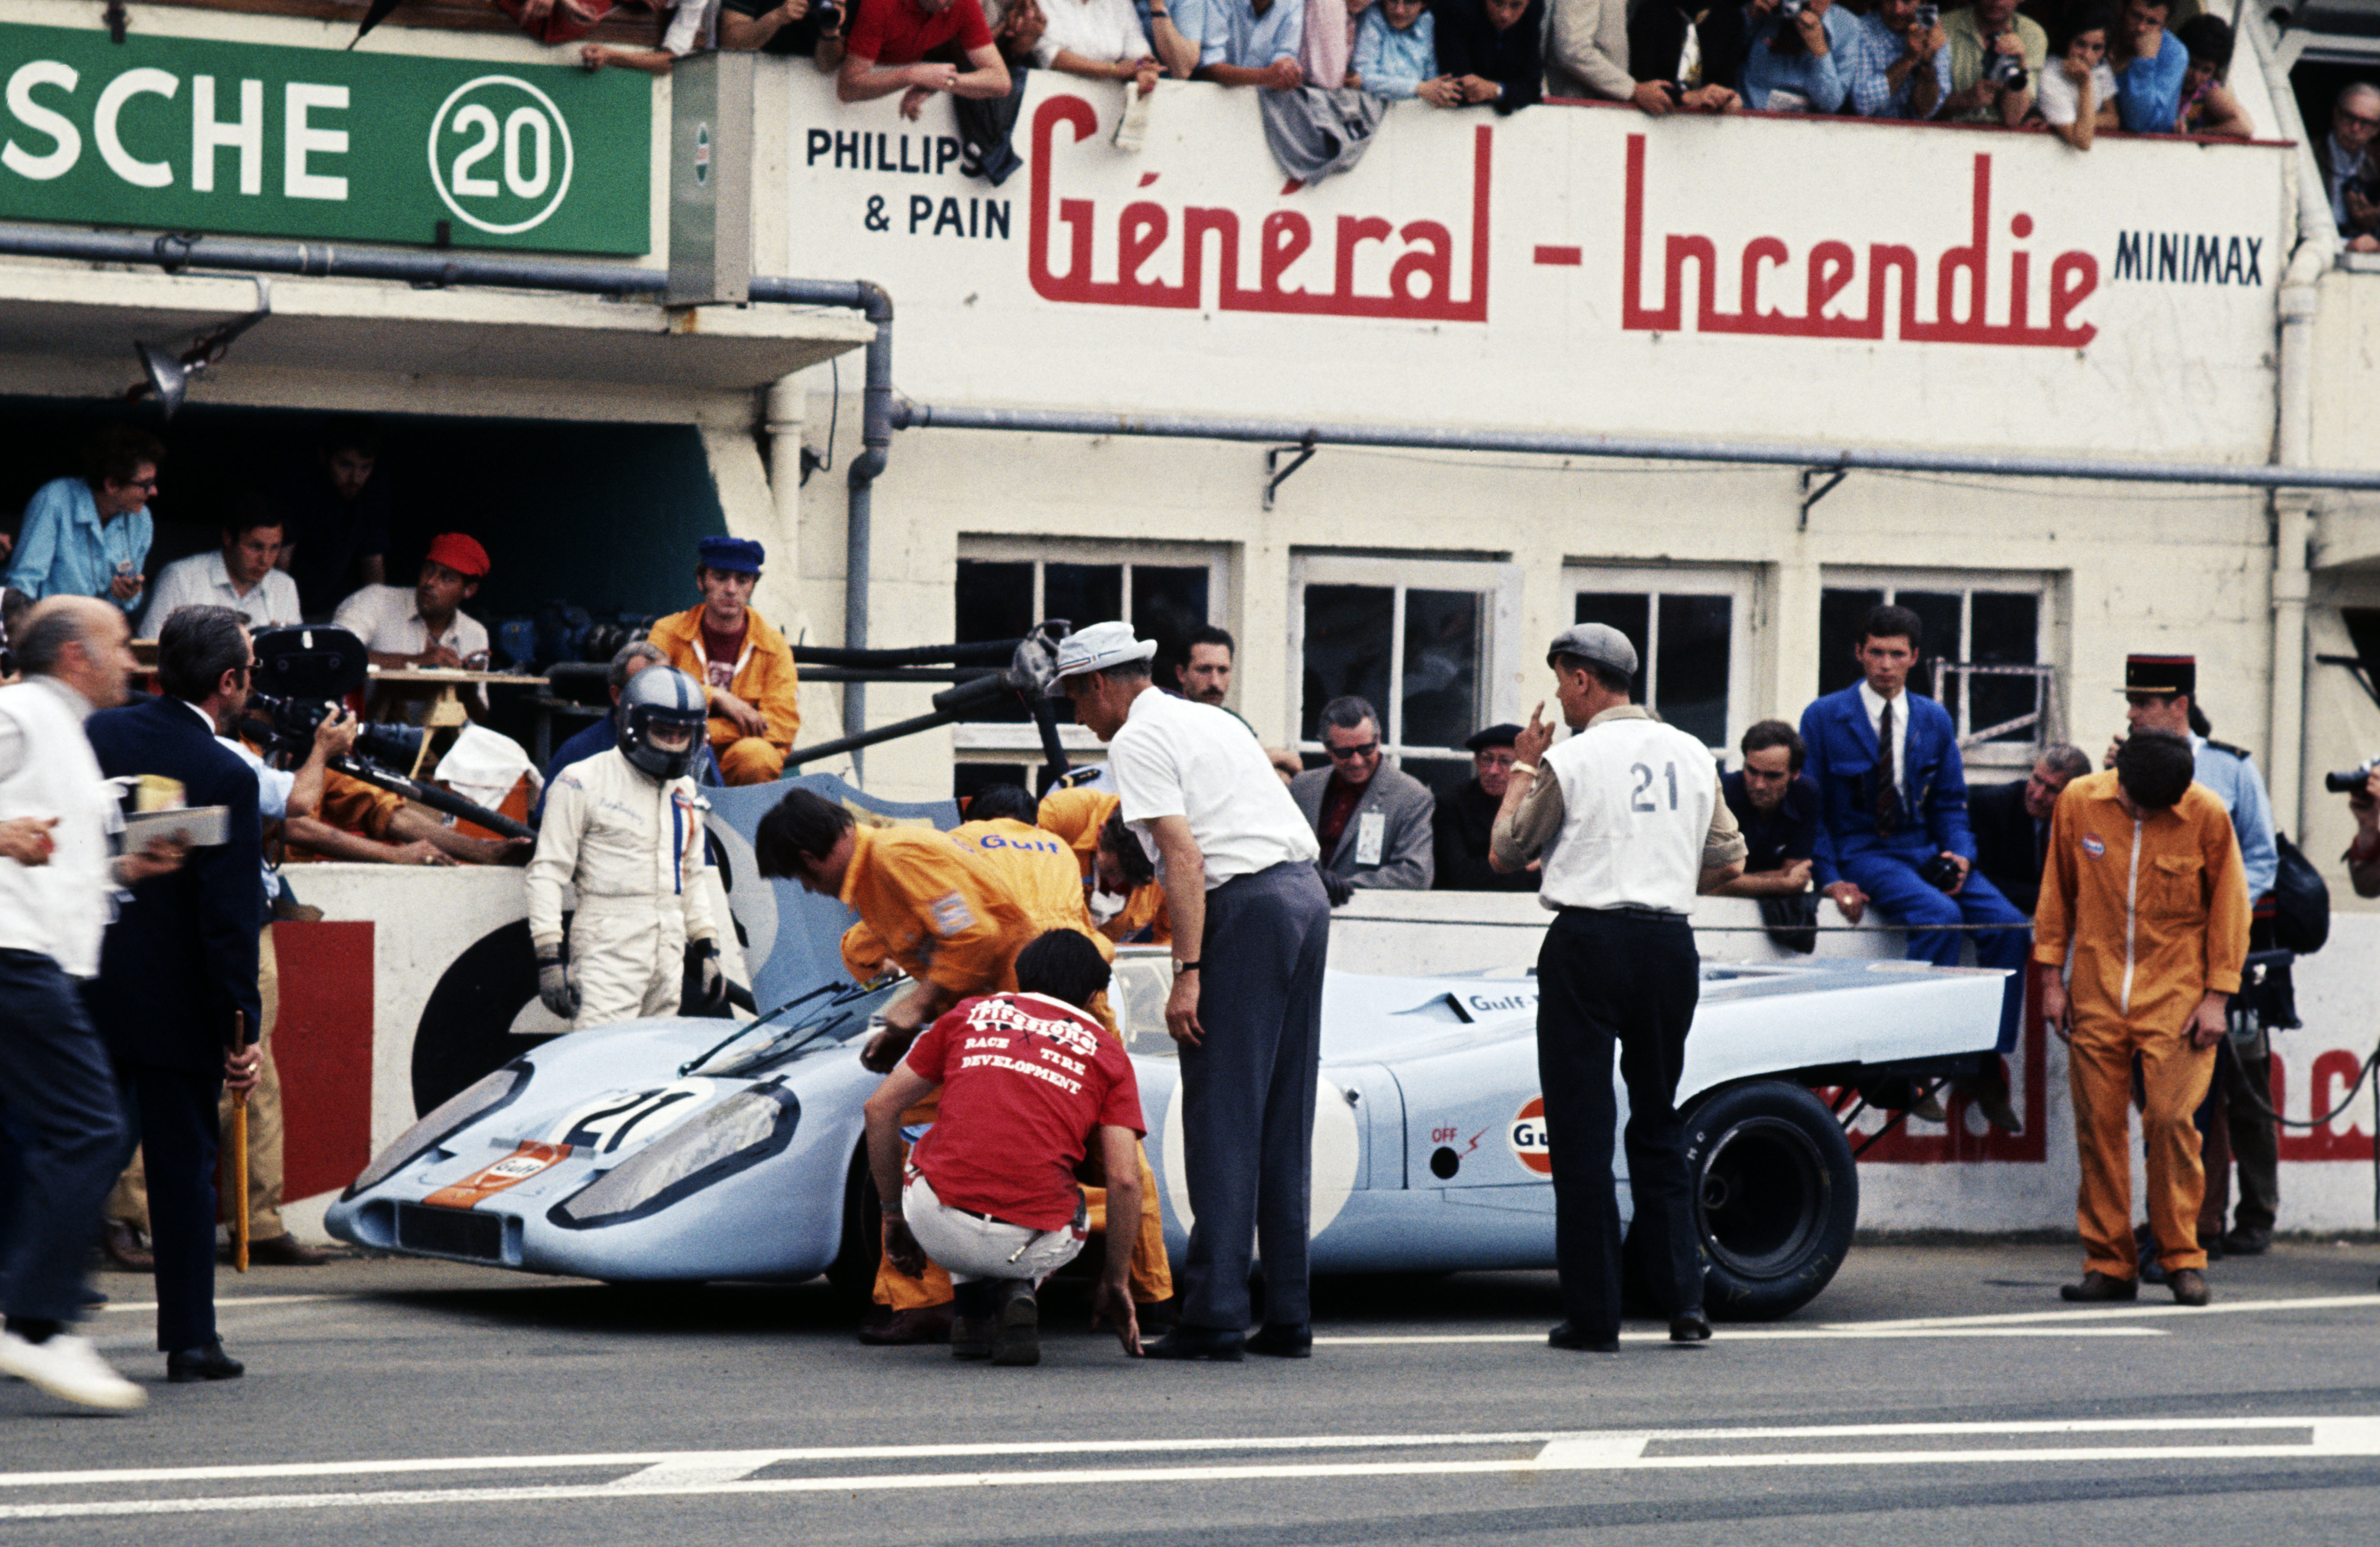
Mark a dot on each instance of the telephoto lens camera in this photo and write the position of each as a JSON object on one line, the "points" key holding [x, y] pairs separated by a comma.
{"points": [[2351, 782], [300, 673]]}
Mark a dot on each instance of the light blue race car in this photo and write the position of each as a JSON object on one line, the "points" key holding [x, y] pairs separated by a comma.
{"points": [[684, 1150]]}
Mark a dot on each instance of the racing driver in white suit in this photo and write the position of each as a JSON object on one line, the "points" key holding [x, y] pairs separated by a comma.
{"points": [[625, 829]]}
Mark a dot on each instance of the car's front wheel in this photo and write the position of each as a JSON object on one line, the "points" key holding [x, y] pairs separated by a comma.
{"points": [[1776, 1198]]}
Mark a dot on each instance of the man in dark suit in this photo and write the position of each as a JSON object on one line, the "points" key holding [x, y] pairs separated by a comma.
{"points": [[2011, 823], [1893, 817], [175, 999]]}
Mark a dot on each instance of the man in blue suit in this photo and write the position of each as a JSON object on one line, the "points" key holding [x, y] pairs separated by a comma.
{"points": [[180, 963], [1894, 801]]}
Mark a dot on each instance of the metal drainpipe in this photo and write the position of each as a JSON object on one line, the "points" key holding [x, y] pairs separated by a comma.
{"points": [[876, 424], [2299, 303]]}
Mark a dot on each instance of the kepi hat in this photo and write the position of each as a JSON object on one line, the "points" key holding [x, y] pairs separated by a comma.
{"points": [[2167, 676]]}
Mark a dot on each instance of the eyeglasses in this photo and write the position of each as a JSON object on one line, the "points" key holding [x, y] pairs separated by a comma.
{"points": [[1349, 754], [149, 485], [2360, 120]]}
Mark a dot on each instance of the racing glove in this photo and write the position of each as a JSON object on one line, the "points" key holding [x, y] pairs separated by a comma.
{"points": [[553, 985], [1334, 884], [705, 984]]}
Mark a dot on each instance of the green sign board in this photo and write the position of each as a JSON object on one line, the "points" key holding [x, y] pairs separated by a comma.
{"points": [[243, 138]]}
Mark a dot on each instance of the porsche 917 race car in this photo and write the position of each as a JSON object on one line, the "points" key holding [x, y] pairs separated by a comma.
{"points": [[685, 1149]]}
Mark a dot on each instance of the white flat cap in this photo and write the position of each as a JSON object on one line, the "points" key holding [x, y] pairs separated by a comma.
{"points": [[1101, 645]]}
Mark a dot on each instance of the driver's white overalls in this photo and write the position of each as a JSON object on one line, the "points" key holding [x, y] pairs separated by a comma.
{"points": [[633, 848]]}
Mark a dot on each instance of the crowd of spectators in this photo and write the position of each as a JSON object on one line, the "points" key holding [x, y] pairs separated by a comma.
{"points": [[2077, 68]]}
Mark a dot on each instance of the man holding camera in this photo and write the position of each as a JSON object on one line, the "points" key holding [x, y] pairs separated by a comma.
{"points": [[1893, 823], [1899, 61], [2144, 884], [1995, 56], [2363, 854]]}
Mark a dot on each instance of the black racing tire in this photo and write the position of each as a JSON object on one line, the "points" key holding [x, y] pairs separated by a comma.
{"points": [[1776, 1198], [853, 1272], [465, 1032]]}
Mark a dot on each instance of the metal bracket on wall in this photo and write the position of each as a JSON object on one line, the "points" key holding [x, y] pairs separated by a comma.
{"points": [[1276, 475], [1811, 496]]}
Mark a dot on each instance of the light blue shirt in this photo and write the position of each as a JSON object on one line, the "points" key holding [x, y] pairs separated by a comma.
{"points": [[65, 549], [1229, 32], [1876, 48], [272, 787], [2237, 784], [1824, 82], [2148, 96], [1393, 63]]}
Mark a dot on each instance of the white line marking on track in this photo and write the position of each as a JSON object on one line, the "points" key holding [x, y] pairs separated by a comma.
{"points": [[716, 1473], [230, 1302], [1766, 1334]]}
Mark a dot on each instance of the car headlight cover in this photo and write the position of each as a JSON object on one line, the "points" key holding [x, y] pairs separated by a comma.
{"points": [[448, 1118], [745, 1128]]}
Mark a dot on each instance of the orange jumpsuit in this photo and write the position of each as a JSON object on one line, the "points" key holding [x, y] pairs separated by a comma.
{"points": [[764, 677], [1077, 815], [2157, 911], [1039, 871]]}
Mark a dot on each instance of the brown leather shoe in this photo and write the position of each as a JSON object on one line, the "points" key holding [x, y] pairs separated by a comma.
{"points": [[2189, 1285], [122, 1245], [286, 1250], [2097, 1287], [924, 1323]]}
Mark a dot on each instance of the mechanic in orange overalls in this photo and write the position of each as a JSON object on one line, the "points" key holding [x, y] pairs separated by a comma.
{"points": [[1112, 864], [938, 914], [2143, 879], [1039, 871]]}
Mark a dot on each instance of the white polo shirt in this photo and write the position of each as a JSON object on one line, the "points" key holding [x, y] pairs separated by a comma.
{"points": [[1176, 758], [385, 618], [204, 581]]}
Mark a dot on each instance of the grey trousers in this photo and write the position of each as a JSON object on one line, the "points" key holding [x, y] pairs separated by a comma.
{"points": [[1247, 1095]]}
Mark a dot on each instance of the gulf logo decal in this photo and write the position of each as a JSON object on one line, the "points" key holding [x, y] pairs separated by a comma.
{"points": [[1527, 1137]]}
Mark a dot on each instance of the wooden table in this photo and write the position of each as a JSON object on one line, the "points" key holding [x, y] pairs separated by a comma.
{"points": [[446, 712]]}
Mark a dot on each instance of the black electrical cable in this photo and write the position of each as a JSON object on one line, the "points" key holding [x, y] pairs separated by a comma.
{"points": [[2348, 1100]]}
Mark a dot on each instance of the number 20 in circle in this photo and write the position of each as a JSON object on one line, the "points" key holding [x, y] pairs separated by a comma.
{"points": [[500, 154]]}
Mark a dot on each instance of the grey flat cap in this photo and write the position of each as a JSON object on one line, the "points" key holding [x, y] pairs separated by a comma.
{"points": [[1598, 642]]}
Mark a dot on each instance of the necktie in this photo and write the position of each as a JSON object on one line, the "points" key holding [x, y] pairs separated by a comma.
{"points": [[1888, 797]]}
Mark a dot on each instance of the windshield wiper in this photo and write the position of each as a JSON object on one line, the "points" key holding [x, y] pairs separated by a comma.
{"points": [[746, 1030]]}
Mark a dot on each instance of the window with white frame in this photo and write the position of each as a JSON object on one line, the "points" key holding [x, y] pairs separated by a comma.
{"points": [[1984, 620], [1689, 627], [1430, 643], [1165, 590]]}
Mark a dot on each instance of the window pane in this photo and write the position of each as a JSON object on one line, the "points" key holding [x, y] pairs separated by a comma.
{"points": [[1695, 643], [1082, 593], [1629, 612], [1841, 613], [1939, 611], [1169, 603], [2007, 633], [1348, 641], [1444, 646], [995, 600]]}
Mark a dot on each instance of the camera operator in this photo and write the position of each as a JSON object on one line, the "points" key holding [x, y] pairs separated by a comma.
{"points": [[1995, 57], [2363, 854]]}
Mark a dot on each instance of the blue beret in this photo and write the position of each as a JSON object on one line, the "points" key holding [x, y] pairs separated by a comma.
{"points": [[740, 555]]}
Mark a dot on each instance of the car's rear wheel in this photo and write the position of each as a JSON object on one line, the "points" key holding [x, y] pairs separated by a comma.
{"points": [[1776, 1198], [853, 1272]]}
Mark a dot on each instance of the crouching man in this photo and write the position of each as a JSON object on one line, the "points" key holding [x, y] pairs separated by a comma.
{"points": [[625, 829], [1030, 1088]]}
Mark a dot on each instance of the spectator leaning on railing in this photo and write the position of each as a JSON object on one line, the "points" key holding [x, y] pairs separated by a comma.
{"points": [[2149, 63], [693, 28], [1245, 43], [1996, 57], [781, 27], [1099, 39], [885, 51], [1396, 54], [2350, 169], [1799, 63], [1494, 50], [1899, 67], [1586, 56], [1689, 46], [2078, 91], [2207, 105]]}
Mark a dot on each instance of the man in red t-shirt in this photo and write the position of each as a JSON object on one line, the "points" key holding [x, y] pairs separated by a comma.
{"points": [[890, 41], [1029, 1081]]}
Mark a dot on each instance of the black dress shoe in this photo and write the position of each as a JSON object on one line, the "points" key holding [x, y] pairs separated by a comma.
{"points": [[208, 1362], [1284, 1341], [1690, 1326], [1186, 1342], [1568, 1337]]}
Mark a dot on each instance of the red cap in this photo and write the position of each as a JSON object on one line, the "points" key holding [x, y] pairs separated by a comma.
{"points": [[460, 554]]}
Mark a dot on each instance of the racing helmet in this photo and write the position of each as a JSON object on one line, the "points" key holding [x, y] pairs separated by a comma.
{"points": [[662, 717]]}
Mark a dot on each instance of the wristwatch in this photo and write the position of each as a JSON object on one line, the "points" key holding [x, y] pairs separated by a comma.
{"points": [[1182, 967]]}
